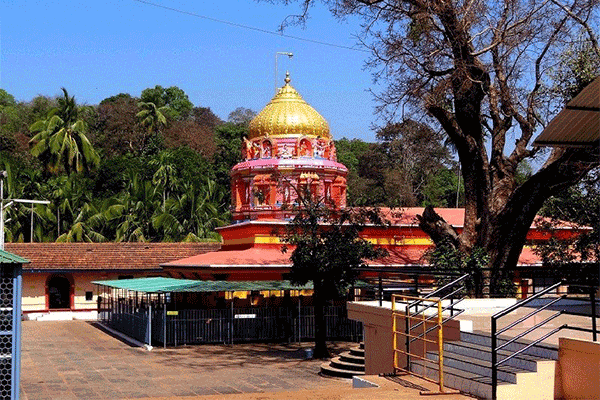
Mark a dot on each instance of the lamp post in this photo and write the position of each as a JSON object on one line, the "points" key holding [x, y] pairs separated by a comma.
{"points": [[280, 53], [3, 174]]}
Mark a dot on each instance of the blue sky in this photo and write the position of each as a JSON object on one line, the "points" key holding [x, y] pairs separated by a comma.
{"points": [[97, 49]]}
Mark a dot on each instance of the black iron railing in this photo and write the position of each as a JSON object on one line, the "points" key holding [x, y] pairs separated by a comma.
{"points": [[453, 291], [495, 332]]}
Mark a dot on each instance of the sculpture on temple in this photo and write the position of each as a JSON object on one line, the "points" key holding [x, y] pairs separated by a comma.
{"points": [[289, 149], [305, 148], [267, 149]]}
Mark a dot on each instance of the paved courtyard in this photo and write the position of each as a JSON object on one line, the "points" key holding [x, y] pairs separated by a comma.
{"points": [[75, 360]]}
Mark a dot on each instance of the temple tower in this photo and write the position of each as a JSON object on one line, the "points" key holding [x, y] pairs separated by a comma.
{"points": [[288, 149]]}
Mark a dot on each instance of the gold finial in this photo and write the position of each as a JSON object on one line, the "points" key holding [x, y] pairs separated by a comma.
{"points": [[287, 77]]}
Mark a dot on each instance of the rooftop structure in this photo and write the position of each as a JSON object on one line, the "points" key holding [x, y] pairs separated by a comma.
{"points": [[289, 149]]}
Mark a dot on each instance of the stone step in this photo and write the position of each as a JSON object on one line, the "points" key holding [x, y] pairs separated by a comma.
{"points": [[357, 352], [475, 366], [351, 358], [329, 370], [476, 351], [545, 351], [467, 382], [337, 362]]}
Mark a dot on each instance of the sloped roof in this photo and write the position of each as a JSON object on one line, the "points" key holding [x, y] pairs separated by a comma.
{"points": [[9, 258], [251, 257], [104, 256], [164, 285], [272, 257], [578, 124]]}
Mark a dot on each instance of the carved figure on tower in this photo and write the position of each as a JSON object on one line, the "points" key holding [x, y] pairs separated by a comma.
{"points": [[288, 143]]}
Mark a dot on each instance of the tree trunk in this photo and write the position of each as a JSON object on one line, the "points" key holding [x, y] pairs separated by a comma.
{"points": [[508, 227], [321, 350]]}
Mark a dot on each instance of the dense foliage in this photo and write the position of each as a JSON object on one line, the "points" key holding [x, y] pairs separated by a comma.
{"points": [[152, 168]]}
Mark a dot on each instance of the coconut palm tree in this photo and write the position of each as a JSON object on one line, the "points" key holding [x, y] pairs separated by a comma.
{"points": [[193, 214], [60, 141], [153, 119], [132, 210]]}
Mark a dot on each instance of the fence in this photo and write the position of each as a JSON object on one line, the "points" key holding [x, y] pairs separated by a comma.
{"points": [[230, 325]]}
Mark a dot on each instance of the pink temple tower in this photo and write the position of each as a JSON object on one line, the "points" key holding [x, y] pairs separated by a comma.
{"points": [[289, 148]]}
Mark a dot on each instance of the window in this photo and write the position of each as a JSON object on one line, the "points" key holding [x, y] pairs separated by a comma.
{"points": [[89, 296]]}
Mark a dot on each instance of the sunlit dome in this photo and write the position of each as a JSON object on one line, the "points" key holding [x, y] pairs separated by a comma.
{"points": [[288, 114]]}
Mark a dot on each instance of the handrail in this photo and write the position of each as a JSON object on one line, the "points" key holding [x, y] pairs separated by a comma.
{"points": [[440, 341], [495, 333], [533, 328], [530, 345], [521, 303], [438, 291], [531, 314], [448, 307]]}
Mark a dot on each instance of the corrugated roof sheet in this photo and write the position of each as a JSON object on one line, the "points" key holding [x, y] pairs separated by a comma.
{"points": [[10, 258], [164, 285], [578, 124]]}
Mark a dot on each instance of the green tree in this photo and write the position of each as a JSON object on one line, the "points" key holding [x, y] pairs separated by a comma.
{"points": [[152, 118], [578, 205], [177, 104], [60, 141], [326, 249], [192, 215], [6, 99], [228, 138]]}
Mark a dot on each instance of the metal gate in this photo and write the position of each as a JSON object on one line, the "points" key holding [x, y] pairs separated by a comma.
{"points": [[10, 330], [426, 318]]}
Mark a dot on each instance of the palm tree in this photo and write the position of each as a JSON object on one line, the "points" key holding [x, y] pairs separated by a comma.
{"points": [[152, 118], [84, 227], [192, 215], [60, 142], [132, 210], [165, 177]]}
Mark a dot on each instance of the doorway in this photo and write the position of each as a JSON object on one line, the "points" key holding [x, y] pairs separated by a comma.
{"points": [[59, 292]]}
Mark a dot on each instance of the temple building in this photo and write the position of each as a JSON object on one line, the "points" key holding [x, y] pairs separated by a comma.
{"points": [[288, 148]]}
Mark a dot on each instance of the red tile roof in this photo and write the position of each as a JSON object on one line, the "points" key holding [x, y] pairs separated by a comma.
{"points": [[105, 256], [254, 256], [456, 217], [272, 256]]}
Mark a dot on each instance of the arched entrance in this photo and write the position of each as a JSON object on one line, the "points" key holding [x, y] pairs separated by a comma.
{"points": [[58, 292]]}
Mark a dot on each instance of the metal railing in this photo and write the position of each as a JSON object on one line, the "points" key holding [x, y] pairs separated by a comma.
{"points": [[495, 332], [454, 293], [423, 337]]}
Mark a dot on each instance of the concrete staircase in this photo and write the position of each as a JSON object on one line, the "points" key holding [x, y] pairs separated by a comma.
{"points": [[467, 367], [346, 365]]}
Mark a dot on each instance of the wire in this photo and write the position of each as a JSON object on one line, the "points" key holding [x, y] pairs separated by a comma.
{"points": [[221, 21]]}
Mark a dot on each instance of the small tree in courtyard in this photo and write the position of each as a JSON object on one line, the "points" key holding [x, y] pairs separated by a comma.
{"points": [[326, 249]]}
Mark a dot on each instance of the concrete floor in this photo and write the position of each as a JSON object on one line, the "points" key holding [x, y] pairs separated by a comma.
{"points": [[72, 360]]}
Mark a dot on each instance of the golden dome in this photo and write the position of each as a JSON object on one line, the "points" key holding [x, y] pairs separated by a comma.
{"points": [[288, 114]]}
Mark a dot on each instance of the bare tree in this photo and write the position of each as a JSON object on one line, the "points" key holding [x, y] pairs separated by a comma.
{"points": [[478, 69]]}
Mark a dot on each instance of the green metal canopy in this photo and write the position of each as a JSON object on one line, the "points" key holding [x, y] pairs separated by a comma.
{"points": [[165, 285], [10, 258]]}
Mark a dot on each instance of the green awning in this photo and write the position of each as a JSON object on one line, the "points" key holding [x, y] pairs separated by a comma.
{"points": [[10, 258], [164, 285]]}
